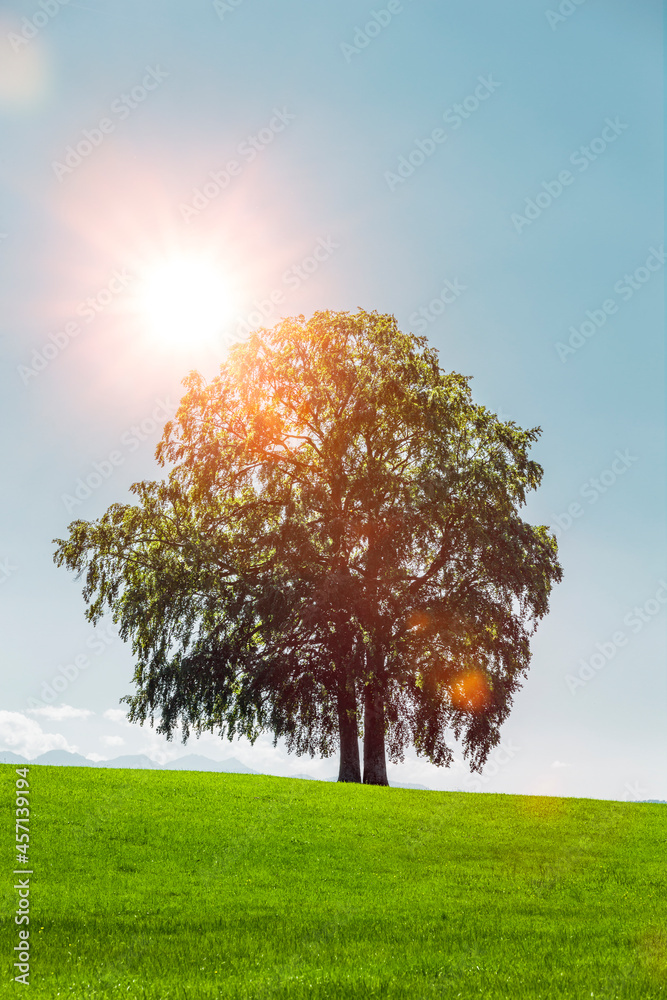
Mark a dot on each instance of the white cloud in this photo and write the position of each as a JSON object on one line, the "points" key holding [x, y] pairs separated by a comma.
{"points": [[59, 712], [116, 715], [25, 736], [112, 741], [159, 756], [162, 751], [558, 763]]}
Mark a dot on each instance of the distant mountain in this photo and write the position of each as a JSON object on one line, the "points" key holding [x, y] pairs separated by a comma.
{"points": [[196, 762], [9, 757], [63, 757], [192, 762], [139, 760]]}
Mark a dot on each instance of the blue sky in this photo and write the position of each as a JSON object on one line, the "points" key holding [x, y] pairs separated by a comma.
{"points": [[491, 176]]}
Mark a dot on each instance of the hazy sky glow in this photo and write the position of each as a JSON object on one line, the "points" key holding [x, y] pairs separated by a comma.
{"points": [[489, 173]]}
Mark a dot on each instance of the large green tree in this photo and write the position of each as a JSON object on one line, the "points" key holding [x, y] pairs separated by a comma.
{"points": [[337, 547]]}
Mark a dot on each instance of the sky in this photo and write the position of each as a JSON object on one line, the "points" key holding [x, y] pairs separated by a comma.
{"points": [[490, 174]]}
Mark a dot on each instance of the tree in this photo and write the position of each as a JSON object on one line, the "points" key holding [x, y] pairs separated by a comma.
{"points": [[337, 545]]}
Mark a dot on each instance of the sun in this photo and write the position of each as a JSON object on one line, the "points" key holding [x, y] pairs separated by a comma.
{"points": [[185, 300]]}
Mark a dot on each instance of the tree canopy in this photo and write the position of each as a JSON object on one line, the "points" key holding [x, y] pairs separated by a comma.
{"points": [[336, 547]]}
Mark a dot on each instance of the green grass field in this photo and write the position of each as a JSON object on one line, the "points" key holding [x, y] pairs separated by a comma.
{"points": [[168, 885]]}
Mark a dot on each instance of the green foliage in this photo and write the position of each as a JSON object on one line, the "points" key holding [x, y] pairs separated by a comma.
{"points": [[338, 511], [189, 886]]}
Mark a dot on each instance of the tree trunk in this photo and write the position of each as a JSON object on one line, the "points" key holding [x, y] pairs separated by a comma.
{"points": [[375, 762], [350, 767]]}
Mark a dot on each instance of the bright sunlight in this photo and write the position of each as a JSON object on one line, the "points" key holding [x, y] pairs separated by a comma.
{"points": [[184, 300]]}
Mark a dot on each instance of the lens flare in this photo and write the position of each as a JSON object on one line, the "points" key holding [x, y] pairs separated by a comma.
{"points": [[419, 621], [470, 692], [25, 70]]}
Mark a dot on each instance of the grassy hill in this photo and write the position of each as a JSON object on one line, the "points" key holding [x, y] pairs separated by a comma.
{"points": [[162, 885]]}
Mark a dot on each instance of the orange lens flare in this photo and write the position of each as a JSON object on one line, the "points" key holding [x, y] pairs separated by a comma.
{"points": [[419, 621], [470, 692]]}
